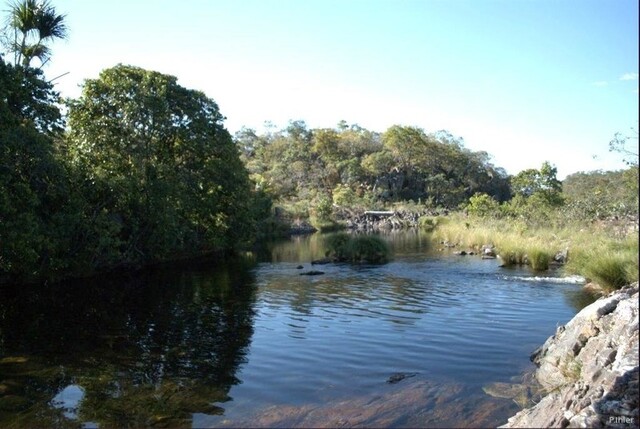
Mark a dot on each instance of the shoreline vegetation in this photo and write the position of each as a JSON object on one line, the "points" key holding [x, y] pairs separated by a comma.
{"points": [[605, 252]]}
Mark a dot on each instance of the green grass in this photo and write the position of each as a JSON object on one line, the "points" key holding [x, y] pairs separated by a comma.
{"points": [[429, 223], [594, 252], [539, 259], [611, 264]]}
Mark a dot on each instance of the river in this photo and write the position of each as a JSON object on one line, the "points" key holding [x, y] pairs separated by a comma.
{"points": [[253, 343]]}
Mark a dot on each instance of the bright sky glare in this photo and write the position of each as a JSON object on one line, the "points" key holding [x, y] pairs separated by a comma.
{"points": [[524, 80]]}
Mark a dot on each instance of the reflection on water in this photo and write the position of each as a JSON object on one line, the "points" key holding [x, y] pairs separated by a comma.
{"points": [[254, 343], [133, 351]]}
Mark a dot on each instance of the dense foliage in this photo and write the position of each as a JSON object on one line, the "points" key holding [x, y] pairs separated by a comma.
{"points": [[34, 185], [162, 176], [145, 172], [316, 169], [602, 194]]}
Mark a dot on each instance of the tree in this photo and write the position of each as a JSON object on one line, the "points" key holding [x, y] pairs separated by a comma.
{"points": [[619, 144], [34, 187], [540, 184], [483, 205], [158, 161], [600, 194], [32, 25]]}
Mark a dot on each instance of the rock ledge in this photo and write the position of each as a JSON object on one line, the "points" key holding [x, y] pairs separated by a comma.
{"points": [[590, 368]]}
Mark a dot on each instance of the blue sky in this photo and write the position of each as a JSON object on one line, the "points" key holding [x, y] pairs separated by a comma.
{"points": [[524, 80]]}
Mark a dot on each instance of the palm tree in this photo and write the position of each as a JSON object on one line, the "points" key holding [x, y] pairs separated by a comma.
{"points": [[34, 23]]}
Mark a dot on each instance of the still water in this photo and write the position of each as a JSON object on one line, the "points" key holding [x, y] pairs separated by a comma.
{"points": [[254, 343]]}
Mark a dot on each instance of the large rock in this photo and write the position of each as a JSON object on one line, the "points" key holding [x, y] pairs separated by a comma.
{"points": [[590, 368]]}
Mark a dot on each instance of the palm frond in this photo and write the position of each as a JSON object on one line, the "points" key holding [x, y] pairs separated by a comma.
{"points": [[23, 15], [49, 24]]}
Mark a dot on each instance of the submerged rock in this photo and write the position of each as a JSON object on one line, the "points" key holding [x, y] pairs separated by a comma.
{"points": [[399, 376], [524, 391], [312, 273], [590, 368]]}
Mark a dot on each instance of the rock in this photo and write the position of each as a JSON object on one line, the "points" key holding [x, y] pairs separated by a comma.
{"points": [[524, 390], [399, 376], [301, 228], [519, 393], [299, 267], [322, 261], [561, 257], [488, 251], [590, 368], [460, 253], [312, 273]]}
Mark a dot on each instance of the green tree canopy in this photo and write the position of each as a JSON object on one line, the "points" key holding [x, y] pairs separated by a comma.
{"points": [[33, 183], [542, 184], [160, 163]]}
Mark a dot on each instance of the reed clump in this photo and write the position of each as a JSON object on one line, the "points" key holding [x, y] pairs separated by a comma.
{"points": [[359, 248]]}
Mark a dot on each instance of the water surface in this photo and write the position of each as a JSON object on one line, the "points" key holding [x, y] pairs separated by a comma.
{"points": [[254, 343]]}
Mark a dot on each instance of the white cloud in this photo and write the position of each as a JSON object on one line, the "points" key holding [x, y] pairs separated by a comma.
{"points": [[629, 76]]}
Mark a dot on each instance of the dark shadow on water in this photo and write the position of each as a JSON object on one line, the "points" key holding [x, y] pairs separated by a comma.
{"points": [[143, 349], [580, 298]]}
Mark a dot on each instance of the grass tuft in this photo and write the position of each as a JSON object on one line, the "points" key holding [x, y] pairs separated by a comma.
{"points": [[362, 248]]}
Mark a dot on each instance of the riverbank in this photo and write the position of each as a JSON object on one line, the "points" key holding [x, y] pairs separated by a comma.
{"points": [[605, 252], [589, 368]]}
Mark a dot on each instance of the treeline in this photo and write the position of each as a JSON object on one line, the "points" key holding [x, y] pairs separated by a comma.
{"points": [[143, 171], [312, 170], [313, 173]]}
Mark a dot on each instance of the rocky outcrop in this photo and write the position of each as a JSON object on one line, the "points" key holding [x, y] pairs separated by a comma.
{"points": [[590, 368], [383, 220]]}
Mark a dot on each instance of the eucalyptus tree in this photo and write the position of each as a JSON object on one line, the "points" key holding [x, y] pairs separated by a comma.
{"points": [[31, 26]]}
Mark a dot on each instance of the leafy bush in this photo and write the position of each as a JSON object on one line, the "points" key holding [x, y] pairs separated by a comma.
{"points": [[343, 195], [483, 205]]}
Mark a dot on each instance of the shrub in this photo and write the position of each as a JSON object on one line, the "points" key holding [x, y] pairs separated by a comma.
{"points": [[343, 195], [337, 244], [368, 248], [362, 248], [427, 223], [483, 205]]}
